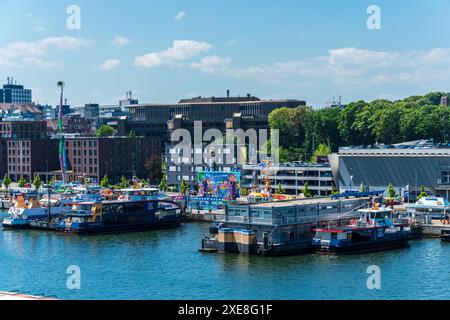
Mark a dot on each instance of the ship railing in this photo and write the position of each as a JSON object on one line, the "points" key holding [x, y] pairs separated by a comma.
{"points": [[272, 222]]}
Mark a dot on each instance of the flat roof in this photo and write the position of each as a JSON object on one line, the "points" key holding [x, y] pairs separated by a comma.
{"points": [[305, 201]]}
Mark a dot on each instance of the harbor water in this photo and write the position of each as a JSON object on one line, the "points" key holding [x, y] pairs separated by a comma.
{"points": [[167, 265]]}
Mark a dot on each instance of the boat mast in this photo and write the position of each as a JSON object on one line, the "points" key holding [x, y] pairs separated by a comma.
{"points": [[62, 146]]}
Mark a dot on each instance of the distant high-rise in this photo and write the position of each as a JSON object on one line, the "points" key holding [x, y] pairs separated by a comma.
{"points": [[444, 101], [91, 111], [14, 93]]}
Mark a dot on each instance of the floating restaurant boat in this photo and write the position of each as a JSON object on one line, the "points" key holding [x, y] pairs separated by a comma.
{"points": [[275, 228], [119, 216], [22, 214], [373, 231]]}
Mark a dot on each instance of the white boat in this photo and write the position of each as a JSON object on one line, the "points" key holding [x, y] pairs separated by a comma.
{"points": [[22, 213]]}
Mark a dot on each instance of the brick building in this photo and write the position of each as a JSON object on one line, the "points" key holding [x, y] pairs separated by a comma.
{"points": [[92, 157], [25, 157]]}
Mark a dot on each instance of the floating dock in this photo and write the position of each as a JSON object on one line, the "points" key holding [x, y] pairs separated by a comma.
{"points": [[277, 228]]}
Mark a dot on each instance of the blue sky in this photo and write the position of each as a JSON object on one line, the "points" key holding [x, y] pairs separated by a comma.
{"points": [[167, 50]]}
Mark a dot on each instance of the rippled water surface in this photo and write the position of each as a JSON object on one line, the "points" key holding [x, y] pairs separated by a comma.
{"points": [[167, 265]]}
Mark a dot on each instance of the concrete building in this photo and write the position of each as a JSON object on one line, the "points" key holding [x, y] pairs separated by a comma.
{"points": [[180, 166], [92, 111], [413, 164], [219, 113], [14, 93], [292, 177]]}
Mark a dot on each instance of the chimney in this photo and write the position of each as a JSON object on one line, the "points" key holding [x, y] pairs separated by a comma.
{"points": [[228, 94]]}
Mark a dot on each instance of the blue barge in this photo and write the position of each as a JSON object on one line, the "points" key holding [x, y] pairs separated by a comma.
{"points": [[373, 231], [119, 216]]}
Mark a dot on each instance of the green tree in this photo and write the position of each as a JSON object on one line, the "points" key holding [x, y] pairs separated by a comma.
{"points": [[131, 134], [105, 131], [422, 194], [21, 183], [124, 183], [280, 189], [391, 191], [37, 182], [306, 192], [184, 187], [362, 188], [52, 181], [105, 182], [322, 150], [163, 183], [7, 181]]}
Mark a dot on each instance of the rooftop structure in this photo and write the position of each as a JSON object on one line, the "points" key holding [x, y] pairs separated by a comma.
{"points": [[407, 165], [14, 93]]}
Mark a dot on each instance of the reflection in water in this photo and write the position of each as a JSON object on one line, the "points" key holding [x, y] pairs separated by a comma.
{"points": [[167, 265]]}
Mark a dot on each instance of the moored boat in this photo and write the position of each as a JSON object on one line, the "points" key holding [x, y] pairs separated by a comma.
{"points": [[119, 216], [21, 214], [373, 231]]}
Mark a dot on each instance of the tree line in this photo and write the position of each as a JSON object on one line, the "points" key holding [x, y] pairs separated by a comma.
{"points": [[304, 129]]}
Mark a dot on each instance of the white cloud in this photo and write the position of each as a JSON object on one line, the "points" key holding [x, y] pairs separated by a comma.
{"points": [[109, 64], [181, 50], [345, 69], [33, 52], [180, 16], [231, 43], [211, 64], [120, 41]]}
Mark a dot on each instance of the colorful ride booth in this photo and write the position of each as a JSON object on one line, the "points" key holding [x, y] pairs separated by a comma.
{"points": [[216, 189]]}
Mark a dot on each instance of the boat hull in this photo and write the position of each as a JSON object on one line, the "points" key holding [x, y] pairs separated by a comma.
{"points": [[363, 247], [16, 226], [117, 228]]}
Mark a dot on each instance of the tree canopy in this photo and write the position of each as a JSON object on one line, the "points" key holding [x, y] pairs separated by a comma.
{"points": [[105, 131], [359, 123]]}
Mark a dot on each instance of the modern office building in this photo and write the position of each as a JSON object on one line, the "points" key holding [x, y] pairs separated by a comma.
{"points": [[181, 166], [14, 93], [409, 165], [291, 176]]}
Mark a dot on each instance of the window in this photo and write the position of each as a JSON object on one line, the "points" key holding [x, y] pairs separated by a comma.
{"points": [[445, 176]]}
